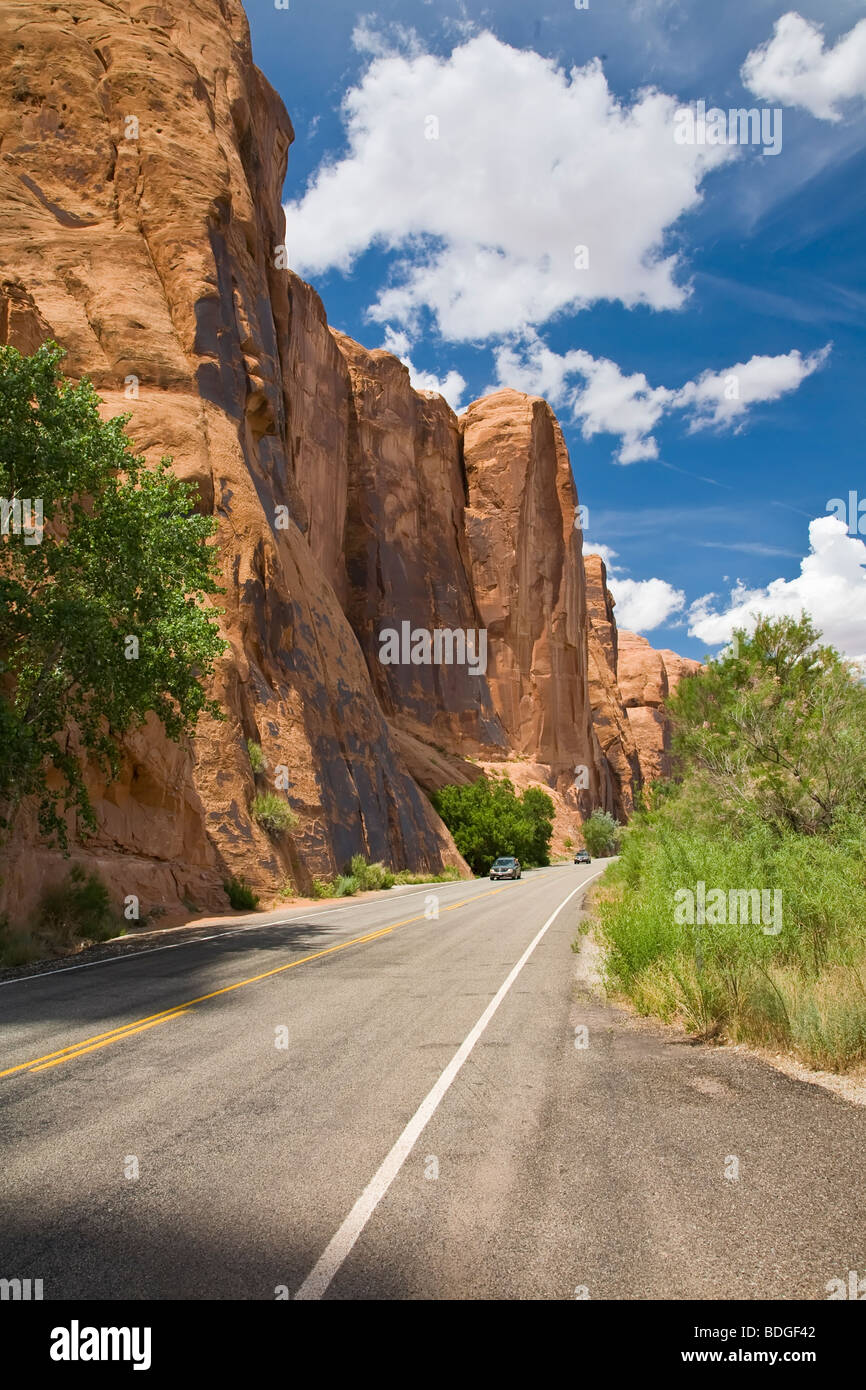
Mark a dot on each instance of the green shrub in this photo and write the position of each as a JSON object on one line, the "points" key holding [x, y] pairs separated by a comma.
{"points": [[258, 761], [18, 946], [449, 874], [241, 895], [273, 813], [324, 888], [601, 834], [370, 876], [79, 909]]}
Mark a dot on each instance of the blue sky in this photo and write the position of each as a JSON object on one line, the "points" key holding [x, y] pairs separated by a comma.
{"points": [[713, 333]]}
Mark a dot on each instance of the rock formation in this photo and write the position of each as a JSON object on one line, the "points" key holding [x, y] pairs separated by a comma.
{"points": [[646, 677], [143, 157], [610, 717], [141, 227]]}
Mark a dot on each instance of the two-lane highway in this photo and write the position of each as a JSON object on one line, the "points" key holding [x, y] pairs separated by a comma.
{"points": [[368, 1100]]}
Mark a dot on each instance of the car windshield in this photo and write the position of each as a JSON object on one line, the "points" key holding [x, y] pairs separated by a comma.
{"points": [[503, 863]]}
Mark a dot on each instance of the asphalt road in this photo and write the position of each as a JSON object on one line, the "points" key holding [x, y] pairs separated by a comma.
{"points": [[391, 1146]]}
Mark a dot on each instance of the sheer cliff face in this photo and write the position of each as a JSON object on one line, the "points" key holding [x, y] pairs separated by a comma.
{"points": [[143, 160], [609, 716], [406, 556], [527, 572]]}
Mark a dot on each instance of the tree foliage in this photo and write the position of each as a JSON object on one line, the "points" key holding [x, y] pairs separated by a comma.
{"points": [[601, 833], [101, 622], [489, 818], [775, 728]]}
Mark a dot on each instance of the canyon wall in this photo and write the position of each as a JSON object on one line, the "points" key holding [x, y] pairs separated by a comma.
{"points": [[143, 158], [140, 221], [610, 717]]}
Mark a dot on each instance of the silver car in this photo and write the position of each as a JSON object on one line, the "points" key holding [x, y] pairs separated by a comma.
{"points": [[506, 866]]}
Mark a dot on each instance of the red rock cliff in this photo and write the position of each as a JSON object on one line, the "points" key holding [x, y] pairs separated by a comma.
{"points": [[140, 221], [646, 677], [609, 715]]}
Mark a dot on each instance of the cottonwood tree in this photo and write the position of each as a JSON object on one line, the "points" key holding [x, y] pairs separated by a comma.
{"points": [[102, 621]]}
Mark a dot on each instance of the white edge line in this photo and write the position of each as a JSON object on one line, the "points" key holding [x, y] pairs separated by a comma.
{"points": [[216, 936], [340, 1246]]}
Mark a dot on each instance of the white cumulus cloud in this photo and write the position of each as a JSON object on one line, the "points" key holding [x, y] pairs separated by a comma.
{"points": [[723, 398], [486, 171], [641, 604], [603, 399], [795, 68], [831, 588]]}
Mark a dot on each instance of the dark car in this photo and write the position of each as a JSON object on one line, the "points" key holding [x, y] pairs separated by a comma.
{"points": [[582, 857], [506, 866]]}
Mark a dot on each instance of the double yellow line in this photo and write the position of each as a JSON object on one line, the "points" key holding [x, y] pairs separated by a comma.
{"points": [[141, 1025]]}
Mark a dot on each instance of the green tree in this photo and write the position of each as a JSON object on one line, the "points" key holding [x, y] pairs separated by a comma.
{"points": [[600, 833], [101, 620], [488, 818], [775, 728]]}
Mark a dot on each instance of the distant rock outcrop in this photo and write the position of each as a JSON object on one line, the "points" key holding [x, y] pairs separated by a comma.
{"points": [[610, 717], [646, 677]]}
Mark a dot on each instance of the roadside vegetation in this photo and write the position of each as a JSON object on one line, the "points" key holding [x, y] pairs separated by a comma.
{"points": [[361, 877], [240, 894], [489, 818], [73, 914], [770, 742], [601, 832]]}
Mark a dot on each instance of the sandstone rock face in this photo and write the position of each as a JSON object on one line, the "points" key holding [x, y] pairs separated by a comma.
{"points": [[320, 411], [407, 558], [610, 718], [527, 572], [646, 678], [143, 161]]}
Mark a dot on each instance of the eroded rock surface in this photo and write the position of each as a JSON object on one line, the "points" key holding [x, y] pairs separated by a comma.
{"points": [[646, 678], [143, 156]]}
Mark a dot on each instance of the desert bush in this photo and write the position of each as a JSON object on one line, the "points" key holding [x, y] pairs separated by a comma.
{"points": [[258, 761], [601, 834], [241, 895], [273, 813]]}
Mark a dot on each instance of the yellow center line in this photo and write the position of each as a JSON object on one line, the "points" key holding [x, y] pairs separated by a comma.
{"points": [[95, 1046], [66, 1054]]}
